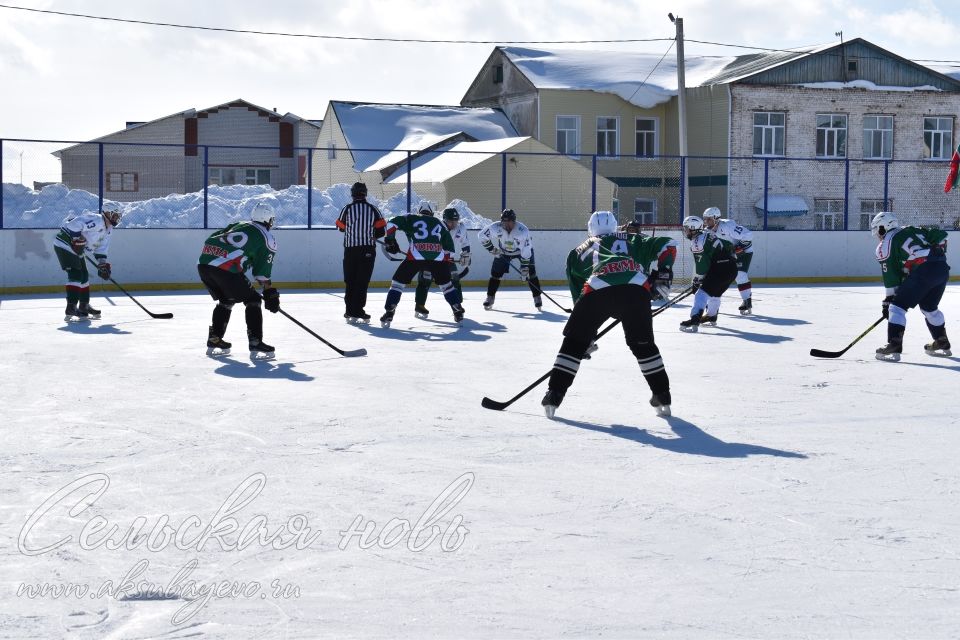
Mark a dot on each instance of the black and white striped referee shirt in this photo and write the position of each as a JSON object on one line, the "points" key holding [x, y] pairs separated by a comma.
{"points": [[357, 221]]}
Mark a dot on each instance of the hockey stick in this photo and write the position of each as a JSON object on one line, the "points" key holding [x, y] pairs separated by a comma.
{"points": [[348, 354], [539, 290], [488, 403], [159, 316], [818, 353]]}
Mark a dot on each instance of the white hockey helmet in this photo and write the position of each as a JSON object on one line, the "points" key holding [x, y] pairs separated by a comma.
{"points": [[692, 225], [112, 211], [264, 214], [601, 223], [425, 208], [882, 223], [712, 213]]}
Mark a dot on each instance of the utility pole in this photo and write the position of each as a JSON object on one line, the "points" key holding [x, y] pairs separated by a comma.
{"points": [[682, 108], [21, 167]]}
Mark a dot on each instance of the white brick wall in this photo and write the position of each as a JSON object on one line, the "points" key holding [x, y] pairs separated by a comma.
{"points": [[915, 188]]}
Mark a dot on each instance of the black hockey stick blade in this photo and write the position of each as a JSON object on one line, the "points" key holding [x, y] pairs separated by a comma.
{"points": [[347, 354], [158, 316], [355, 353], [819, 353], [487, 403]]}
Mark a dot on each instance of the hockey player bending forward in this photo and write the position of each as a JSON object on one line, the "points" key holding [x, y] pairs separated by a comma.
{"points": [[611, 276], [716, 269], [508, 240], [461, 256], [430, 249], [224, 260], [741, 239], [915, 273], [87, 231]]}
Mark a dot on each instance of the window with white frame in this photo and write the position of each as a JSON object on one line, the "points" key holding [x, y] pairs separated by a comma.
{"points": [[608, 136], [239, 175], [870, 208], [938, 138], [646, 137], [568, 135], [123, 181], [878, 137], [831, 135], [645, 211], [828, 214], [769, 133]]}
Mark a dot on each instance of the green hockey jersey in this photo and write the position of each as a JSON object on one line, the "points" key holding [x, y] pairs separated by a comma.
{"points": [[706, 248], [428, 237], [617, 258], [903, 249], [241, 246]]}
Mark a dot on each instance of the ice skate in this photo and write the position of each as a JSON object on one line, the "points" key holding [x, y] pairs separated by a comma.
{"points": [[421, 312], [939, 348], [216, 346], [890, 352], [488, 303], [538, 302], [387, 318], [551, 400], [260, 350], [661, 402], [72, 314], [747, 307], [709, 321], [690, 326], [458, 313], [93, 314]]}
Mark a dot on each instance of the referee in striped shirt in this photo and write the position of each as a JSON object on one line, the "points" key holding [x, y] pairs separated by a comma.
{"points": [[361, 223]]}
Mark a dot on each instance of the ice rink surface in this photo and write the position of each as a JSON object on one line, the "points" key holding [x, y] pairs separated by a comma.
{"points": [[788, 497]]}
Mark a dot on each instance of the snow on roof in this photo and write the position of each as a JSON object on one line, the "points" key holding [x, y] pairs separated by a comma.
{"points": [[446, 163], [951, 71], [417, 142], [635, 77], [780, 205], [382, 128], [863, 84]]}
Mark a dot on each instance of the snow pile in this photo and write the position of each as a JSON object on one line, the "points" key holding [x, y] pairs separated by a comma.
{"points": [[642, 79], [863, 84], [47, 208]]}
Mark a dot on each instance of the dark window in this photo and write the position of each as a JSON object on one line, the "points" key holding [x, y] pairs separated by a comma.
{"points": [[497, 73], [123, 181], [852, 66]]}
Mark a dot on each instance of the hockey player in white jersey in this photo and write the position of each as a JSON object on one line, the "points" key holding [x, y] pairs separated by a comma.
{"points": [[458, 268], [742, 240], [89, 231], [508, 240]]}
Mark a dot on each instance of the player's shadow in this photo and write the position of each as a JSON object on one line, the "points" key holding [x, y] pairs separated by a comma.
{"points": [[469, 331], [931, 365], [261, 369], [92, 328], [549, 316], [691, 440], [776, 322], [763, 338]]}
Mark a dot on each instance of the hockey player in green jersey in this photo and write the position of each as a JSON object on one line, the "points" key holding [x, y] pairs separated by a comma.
{"points": [[430, 249], [224, 260], [716, 269], [611, 276], [461, 256], [915, 273], [87, 231]]}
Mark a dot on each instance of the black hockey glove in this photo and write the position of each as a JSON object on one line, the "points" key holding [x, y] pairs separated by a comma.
{"points": [[525, 272], [103, 270], [886, 307], [271, 300], [697, 283], [391, 244]]}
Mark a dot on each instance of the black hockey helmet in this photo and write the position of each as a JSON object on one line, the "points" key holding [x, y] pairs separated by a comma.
{"points": [[508, 214], [450, 213], [358, 190]]}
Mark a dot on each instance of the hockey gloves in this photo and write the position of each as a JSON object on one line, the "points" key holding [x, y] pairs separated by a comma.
{"points": [[886, 307], [271, 300], [465, 259], [79, 244], [661, 281], [494, 251], [697, 283], [103, 269], [391, 244], [525, 272]]}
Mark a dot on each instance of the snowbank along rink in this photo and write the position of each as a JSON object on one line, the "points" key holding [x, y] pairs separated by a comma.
{"points": [[788, 497]]}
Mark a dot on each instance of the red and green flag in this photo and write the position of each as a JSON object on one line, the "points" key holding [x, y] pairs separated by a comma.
{"points": [[953, 178]]}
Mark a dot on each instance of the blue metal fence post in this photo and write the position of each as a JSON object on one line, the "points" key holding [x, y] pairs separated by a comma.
{"points": [[100, 181], [593, 184], [206, 181], [766, 192], [409, 181], [886, 183], [683, 192], [503, 181], [1, 184], [309, 188], [846, 193]]}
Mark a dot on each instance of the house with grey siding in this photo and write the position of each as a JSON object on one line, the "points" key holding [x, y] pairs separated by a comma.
{"points": [[233, 143]]}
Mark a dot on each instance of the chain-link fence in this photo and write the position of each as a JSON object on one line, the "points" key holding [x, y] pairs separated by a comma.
{"points": [[208, 186]]}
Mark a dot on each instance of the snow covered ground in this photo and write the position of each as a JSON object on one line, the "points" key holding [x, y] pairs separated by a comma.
{"points": [[789, 497]]}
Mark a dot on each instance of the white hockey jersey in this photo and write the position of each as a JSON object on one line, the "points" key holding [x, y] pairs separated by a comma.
{"points": [[511, 243], [729, 231], [461, 241], [91, 226]]}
